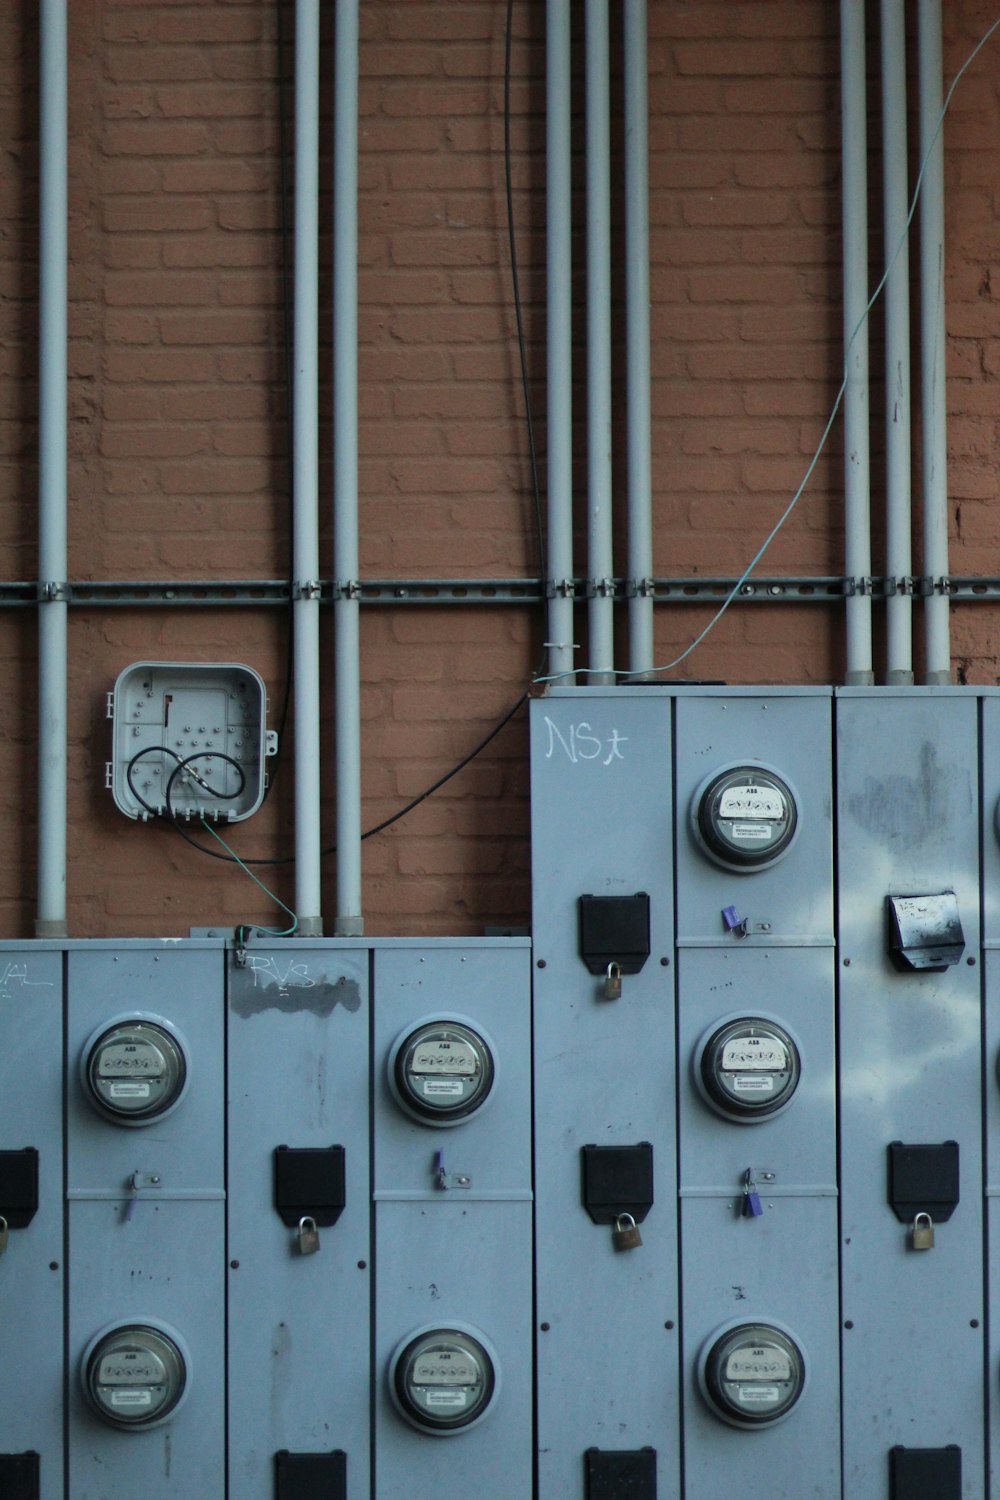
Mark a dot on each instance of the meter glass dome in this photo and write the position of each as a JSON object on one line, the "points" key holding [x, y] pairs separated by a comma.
{"points": [[135, 1071], [134, 1375], [443, 1380], [753, 1374], [442, 1071], [745, 817], [748, 1068]]}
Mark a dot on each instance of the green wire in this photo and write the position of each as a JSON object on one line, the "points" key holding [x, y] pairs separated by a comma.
{"points": [[266, 931]]}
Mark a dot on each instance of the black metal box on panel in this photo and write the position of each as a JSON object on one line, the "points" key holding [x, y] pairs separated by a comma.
{"points": [[20, 1476], [310, 1476], [629, 1474], [925, 932], [614, 930], [309, 1183], [925, 1473], [19, 1187], [617, 1180], [923, 1179]]}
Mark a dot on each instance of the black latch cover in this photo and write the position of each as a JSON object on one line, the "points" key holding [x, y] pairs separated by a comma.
{"points": [[923, 1180], [919, 1473], [925, 932], [617, 1180], [614, 930], [629, 1474], [309, 1183], [20, 1476], [19, 1187], [310, 1476]]}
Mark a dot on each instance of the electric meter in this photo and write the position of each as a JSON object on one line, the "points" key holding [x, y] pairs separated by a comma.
{"points": [[442, 1070], [134, 1069], [752, 1374], [745, 817], [747, 1068], [442, 1380], [135, 1374]]}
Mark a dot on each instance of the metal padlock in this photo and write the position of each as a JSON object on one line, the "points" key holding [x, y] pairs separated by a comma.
{"points": [[625, 1235], [3, 1234], [613, 982], [308, 1236], [922, 1233]]}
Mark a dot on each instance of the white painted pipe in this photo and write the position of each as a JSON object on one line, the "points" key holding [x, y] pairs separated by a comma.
{"points": [[899, 609], [346, 609], [638, 420], [600, 613], [857, 458], [305, 471], [52, 468], [932, 343], [559, 296]]}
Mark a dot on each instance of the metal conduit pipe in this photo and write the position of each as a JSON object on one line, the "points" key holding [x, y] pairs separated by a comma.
{"points": [[346, 611], [305, 471], [899, 609], [638, 419], [932, 343], [559, 330], [52, 459], [600, 613], [857, 461]]}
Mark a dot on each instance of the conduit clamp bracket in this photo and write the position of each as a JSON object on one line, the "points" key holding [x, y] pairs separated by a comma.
{"points": [[309, 588], [924, 587], [605, 588], [53, 593], [560, 588], [350, 589]]}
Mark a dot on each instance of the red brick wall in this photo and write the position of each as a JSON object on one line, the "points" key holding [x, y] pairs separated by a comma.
{"points": [[178, 453]]}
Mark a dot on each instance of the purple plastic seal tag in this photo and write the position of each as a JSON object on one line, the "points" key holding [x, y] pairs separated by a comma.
{"points": [[731, 917]]}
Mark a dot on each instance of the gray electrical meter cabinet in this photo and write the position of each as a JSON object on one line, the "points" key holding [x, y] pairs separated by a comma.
{"points": [[444, 1380], [752, 1374], [134, 1069], [747, 1068], [135, 1375], [442, 1070], [745, 816]]}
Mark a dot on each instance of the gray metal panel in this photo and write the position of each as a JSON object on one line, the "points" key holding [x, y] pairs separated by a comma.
{"points": [[795, 986], [31, 1269], [490, 984], [184, 985], [792, 735], [910, 1070], [991, 809], [298, 1042], [604, 1074], [443, 1262], [165, 1262], [783, 1267]]}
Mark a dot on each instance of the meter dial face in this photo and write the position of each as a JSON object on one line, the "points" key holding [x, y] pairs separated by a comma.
{"points": [[135, 1071], [134, 1375], [442, 1071], [443, 1379], [749, 1068], [753, 1374], [745, 817]]}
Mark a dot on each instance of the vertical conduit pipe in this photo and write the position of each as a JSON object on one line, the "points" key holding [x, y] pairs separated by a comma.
{"points": [[346, 608], [857, 459], [52, 460], [932, 343], [640, 485], [305, 472], [600, 611], [899, 609], [559, 295]]}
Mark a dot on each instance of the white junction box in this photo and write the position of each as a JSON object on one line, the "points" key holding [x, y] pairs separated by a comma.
{"points": [[189, 740]]}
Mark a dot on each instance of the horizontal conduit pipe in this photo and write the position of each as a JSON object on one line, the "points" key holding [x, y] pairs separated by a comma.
{"points": [[305, 470], [559, 292], [52, 466], [932, 343], [347, 640], [857, 459], [640, 463], [600, 612]]}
